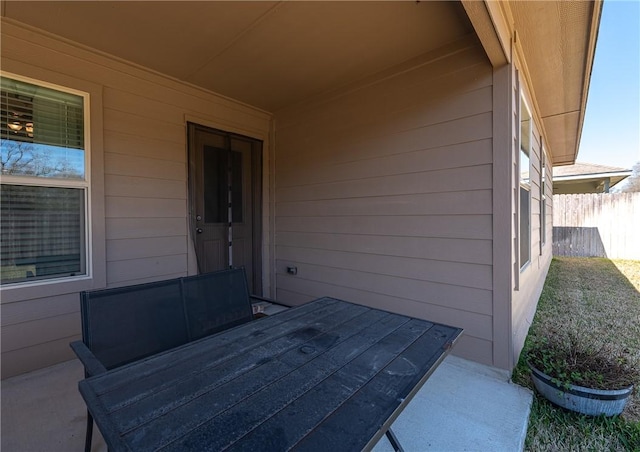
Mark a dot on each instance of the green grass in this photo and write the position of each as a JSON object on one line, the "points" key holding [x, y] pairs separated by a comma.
{"points": [[599, 299]]}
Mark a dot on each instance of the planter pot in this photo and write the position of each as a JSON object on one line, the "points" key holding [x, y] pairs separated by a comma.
{"points": [[593, 402]]}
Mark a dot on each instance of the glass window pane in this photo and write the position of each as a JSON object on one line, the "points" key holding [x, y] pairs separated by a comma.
{"points": [[43, 232], [524, 169], [525, 240], [214, 162], [42, 131], [19, 158], [236, 186]]}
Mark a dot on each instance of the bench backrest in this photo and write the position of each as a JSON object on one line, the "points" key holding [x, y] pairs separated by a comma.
{"points": [[216, 301], [125, 324]]}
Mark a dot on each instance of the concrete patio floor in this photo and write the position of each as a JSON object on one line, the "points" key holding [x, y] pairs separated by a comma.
{"points": [[464, 406]]}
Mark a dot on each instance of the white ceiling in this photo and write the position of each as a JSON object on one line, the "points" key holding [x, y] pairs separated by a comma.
{"points": [[267, 54]]}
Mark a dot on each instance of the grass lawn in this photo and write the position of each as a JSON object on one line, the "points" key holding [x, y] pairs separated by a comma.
{"points": [[599, 299]]}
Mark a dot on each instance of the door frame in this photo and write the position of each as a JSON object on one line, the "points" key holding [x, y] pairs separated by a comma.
{"points": [[255, 193]]}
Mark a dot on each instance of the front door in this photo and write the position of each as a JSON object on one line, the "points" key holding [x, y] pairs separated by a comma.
{"points": [[224, 192]]}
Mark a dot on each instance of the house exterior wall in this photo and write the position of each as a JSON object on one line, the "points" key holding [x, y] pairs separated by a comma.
{"points": [[139, 150], [399, 192], [529, 279], [384, 195]]}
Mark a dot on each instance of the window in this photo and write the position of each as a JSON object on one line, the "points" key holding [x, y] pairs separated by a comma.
{"points": [[543, 199], [525, 184], [44, 190]]}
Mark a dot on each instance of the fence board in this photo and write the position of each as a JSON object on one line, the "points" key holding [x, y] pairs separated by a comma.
{"points": [[597, 225]]}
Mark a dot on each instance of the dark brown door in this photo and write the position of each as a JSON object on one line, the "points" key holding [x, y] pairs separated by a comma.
{"points": [[225, 176]]}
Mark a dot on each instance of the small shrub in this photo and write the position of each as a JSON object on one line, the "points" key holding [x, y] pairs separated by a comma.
{"points": [[568, 359]]}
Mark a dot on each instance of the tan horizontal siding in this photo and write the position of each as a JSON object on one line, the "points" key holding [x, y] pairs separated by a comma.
{"points": [[384, 196], [441, 226], [122, 186], [472, 202], [446, 295], [44, 354], [125, 249], [34, 332], [129, 164], [476, 325], [122, 143], [128, 228], [456, 179], [464, 130], [450, 250], [476, 276], [39, 308], [145, 170], [135, 269], [439, 158]]}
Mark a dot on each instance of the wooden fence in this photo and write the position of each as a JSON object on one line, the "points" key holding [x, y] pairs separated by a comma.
{"points": [[597, 225]]}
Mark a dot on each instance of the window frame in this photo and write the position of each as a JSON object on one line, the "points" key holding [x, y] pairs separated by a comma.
{"points": [[522, 186], [543, 196], [83, 184], [93, 186]]}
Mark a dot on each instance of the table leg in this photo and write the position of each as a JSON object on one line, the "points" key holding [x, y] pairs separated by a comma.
{"points": [[393, 439]]}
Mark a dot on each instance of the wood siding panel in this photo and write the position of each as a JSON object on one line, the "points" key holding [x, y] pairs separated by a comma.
{"points": [[446, 295], [40, 308], [46, 354], [28, 334], [475, 325], [131, 228], [445, 157], [124, 249], [449, 250], [384, 196], [476, 276], [123, 186], [441, 226], [122, 143], [132, 165], [118, 207], [474, 202], [152, 267], [457, 179], [145, 167]]}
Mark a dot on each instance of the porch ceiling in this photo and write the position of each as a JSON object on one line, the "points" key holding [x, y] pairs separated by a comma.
{"points": [[266, 54]]}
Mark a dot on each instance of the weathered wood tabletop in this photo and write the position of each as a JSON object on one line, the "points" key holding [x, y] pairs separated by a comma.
{"points": [[325, 376]]}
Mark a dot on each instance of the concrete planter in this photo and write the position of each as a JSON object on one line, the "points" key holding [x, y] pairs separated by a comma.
{"points": [[592, 402]]}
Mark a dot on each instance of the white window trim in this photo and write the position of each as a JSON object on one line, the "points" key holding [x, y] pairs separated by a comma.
{"points": [[93, 185], [523, 265]]}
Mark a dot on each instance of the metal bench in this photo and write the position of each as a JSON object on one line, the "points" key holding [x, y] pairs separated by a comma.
{"points": [[125, 324]]}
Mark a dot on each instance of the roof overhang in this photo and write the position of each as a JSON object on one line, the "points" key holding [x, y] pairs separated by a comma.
{"points": [[275, 54], [555, 42]]}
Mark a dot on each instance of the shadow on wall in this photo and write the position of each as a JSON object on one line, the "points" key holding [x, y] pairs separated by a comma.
{"points": [[577, 242]]}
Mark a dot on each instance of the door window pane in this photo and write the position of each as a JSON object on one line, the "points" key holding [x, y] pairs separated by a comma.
{"points": [[236, 187], [216, 185], [214, 163]]}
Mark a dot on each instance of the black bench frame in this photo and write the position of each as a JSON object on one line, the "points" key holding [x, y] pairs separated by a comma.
{"points": [[156, 317]]}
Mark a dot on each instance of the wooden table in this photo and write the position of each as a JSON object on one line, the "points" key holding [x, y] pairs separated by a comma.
{"points": [[325, 376]]}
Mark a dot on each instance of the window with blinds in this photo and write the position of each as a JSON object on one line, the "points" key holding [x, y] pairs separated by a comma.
{"points": [[44, 187]]}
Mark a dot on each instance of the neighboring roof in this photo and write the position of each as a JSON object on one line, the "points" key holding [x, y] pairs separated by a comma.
{"points": [[587, 178]]}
